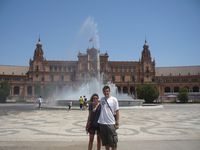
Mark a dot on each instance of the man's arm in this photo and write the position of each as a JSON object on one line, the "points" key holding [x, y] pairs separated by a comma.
{"points": [[117, 119]]}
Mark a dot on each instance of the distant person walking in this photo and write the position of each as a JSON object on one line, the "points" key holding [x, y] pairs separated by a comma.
{"points": [[70, 105], [40, 102], [85, 102], [92, 126], [109, 120], [81, 102]]}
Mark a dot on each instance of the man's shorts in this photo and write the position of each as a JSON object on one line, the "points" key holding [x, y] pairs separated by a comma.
{"points": [[108, 135]]}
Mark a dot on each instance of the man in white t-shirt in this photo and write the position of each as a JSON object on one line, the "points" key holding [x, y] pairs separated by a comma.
{"points": [[109, 119], [39, 102]]}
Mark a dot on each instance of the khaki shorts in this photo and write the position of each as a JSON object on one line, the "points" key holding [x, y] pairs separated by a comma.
{"points": [[108, 135]]}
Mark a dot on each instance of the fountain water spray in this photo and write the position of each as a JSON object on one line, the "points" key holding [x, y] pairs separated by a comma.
{"points": [[93, 80]]}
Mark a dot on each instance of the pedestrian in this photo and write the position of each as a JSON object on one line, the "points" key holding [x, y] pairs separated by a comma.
{"points": [[85, 102], [70, 105], [81, 102], [40, 102], [109, 120], [92, 126]]}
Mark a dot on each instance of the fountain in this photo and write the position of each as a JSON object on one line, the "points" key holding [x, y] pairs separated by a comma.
{"points": [[95, 86], [93, 83], [91, 79]]}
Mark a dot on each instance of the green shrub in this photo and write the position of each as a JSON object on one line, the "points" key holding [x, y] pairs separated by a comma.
{"points": [[183, 95], [147, 92], [4, 91]]}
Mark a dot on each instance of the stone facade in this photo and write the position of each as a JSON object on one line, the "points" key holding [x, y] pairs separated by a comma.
{"points": [[29, 82]]}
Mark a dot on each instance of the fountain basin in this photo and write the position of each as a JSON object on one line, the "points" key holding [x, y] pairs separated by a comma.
{"points": [[122, 103]]}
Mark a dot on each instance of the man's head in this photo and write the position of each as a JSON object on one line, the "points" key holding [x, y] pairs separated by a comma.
{"points": [[106, 91]]}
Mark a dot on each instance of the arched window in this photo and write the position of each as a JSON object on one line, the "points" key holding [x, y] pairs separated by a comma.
{"points": [[119, 89], [176, 89], [113, 78], [16, 90], [125, 90], [52, 78], [195, 89], [37, 68], [123, 78], [62, 78], [167, 90], [132, 90], [133, 78]]}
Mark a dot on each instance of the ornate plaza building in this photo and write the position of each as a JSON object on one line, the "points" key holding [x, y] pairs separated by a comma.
{"points": [[33, 80]]}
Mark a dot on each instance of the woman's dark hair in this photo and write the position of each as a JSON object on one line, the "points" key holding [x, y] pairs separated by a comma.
{"points": [[95, 94]]}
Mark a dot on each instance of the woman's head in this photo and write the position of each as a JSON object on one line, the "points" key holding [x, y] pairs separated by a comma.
{"points": [[94, 98]]}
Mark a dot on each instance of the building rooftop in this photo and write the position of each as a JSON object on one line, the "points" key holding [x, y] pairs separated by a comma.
{"points": [[13, 70], [179, 70]]}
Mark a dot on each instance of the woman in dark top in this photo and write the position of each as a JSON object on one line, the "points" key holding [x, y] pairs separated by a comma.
{"points": [[92, 122]]}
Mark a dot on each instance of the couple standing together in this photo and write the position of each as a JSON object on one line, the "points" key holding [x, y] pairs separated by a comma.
{"points": [[103, 119]]}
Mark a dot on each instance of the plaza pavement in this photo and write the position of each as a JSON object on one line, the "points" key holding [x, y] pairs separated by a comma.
{"points": [[163, 127]]}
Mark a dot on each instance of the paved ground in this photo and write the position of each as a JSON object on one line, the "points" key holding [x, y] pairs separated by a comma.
{"points": [[167, 127]]}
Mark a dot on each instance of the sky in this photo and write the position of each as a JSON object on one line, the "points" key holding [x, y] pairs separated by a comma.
{"points": [[118, 27]]}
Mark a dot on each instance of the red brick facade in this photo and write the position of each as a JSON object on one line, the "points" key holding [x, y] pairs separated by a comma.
{"points": [[125, 74]]}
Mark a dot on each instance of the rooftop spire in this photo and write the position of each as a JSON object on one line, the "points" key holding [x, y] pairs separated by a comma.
{"points": [[39, 41], [145, 42]]}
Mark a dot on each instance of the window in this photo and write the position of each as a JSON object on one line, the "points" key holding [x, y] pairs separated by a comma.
{"points": [[29, 90], [62, 77], [37, 68], [147, 69], [65, 69], [133, 78], [113, 78], [60, 68], [51, 68], [52, 78], [55, 68], [123, 78]]}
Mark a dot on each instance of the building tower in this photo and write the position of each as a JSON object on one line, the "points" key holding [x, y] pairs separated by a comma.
{"points": [[36, 66], [147, 66]]}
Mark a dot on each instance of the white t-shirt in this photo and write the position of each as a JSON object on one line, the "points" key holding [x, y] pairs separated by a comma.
{"points": [[40, 100], [106, 116]]}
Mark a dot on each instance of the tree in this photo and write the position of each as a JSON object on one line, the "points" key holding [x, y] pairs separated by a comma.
{"points": [[4, 91], [183, 95], [147, 92]]}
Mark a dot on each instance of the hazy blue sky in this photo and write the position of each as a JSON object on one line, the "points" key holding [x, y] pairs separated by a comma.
{"points": [[171, 27]]}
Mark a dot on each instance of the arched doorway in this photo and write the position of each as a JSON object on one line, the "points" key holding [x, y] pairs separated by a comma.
{"points": [[167, 90], [176, 89], [195, 89], [16, 90], [125, 90], [132, 90]]}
